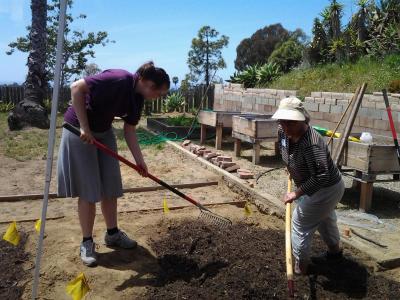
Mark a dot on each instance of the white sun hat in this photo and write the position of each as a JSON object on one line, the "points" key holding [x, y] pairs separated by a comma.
{"points": [[291, 108]]}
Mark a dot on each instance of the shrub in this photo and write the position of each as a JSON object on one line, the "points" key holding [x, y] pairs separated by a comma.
{"points": [[174, 102], [287, 56], [6, 107], [394, 86]]}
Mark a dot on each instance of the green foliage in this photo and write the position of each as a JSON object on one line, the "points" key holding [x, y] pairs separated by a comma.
{"points": [[205, 56], [256, 49], [256, 75], [78, 45], [341, 77], [173, 102], [318, 51], [6, 107], [394, 86], [181, 120], [175, 80], [287, 56]]}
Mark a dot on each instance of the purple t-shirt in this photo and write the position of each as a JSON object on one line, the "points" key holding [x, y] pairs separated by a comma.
{"points": [[111, 94]]}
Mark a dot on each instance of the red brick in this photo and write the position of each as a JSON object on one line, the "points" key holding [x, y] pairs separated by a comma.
{"points": [[211, 155], [381, 125], [245, 175], [226, 164], [186, 143], [224, 158], [232, 168], [244, 171]]}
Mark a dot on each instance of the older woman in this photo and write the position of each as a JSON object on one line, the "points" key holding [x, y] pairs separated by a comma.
{"points": [[319, 185]]}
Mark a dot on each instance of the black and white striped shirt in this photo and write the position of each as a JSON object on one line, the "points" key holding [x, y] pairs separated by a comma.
{"points": [[308, 161]]}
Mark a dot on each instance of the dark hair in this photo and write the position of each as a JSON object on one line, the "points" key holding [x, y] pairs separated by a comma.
{"points": [[157, 75]]}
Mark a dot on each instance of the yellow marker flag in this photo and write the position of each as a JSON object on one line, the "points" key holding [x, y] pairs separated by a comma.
{"points": [[247, 209], [12, 236], [165, 206], [38, 223], [78, 287]]}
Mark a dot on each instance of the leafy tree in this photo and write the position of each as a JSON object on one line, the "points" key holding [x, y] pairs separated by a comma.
{"points": [[30, 111], [258, 48], [78, 45], [91, 69], [205, 55], [287, 56]]}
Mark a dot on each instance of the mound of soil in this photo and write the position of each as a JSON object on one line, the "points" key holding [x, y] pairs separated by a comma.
{"points": [[12, 273], [198, 261]]}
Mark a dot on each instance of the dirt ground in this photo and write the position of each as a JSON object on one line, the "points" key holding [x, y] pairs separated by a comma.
{"points": [[176, 258], [179, 258]]}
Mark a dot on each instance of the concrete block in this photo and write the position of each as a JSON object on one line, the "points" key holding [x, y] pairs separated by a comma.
{"points": [[347, 96], [319, 100], [330, 117], [326, 94], [325, 107], [368, 104], [384, 114], [330, 101], [366, 122], [316, 94], [395, 107], [338, 109], [309, 99], [373, 113], [316, 115], [312, 106], [395, 95], [380, 105], [381, 125], [270, 91], [271, 102], [377, 94], [289, 93], [337, 95], [343, 102]]}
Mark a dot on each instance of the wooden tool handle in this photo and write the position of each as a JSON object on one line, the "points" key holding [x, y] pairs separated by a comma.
{"points": [[288, 238]]}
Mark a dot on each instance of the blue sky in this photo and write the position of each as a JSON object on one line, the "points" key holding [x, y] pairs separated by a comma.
{"points": [[161, 30]]}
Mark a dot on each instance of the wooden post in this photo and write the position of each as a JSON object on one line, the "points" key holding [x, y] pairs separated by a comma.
{"points": [[203, 132], [218, 136], [366, 196], [356, 183], [237, 147], [276, 148], [256, 153]]}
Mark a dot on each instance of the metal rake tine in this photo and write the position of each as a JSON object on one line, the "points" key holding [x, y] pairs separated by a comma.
{"points": [[214, 218]]}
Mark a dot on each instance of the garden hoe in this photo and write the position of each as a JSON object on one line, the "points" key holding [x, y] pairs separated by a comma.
{"points": [[288, 243], [205, 213]]}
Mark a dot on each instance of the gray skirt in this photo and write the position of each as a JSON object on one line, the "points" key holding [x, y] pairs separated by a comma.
{"points": [[85, 171]]}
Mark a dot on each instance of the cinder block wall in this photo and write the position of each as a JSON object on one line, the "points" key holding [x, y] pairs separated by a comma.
{"points": [[234, 97], [325, 108]]}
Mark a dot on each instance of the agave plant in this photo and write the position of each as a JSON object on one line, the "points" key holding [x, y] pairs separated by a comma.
{"points": [[267, 73], [174, 102]]}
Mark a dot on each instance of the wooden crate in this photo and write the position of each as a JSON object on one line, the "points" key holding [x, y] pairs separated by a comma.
{"points": [[260, 127], [376, 158], [214, 118]]}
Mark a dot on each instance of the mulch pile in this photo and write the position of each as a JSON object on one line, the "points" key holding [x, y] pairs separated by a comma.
{"points": [[199, 261]]}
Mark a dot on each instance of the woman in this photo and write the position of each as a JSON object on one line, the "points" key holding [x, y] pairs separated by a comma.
{"points": [[319, 183], [86, 172]]}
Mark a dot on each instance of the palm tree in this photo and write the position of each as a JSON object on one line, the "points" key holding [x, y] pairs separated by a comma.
{"points": [[362, 31], [30, 111], [175, 80]]}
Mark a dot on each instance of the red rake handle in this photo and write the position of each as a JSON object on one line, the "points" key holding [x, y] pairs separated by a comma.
{"points": [[393, 129], [107, 150]]}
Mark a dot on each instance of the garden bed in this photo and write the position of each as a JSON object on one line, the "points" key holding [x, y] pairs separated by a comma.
{"points": [[176, 127]]}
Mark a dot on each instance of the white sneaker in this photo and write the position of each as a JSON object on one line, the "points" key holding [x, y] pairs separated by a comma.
{"points": [[88, 253], [120, 239]]}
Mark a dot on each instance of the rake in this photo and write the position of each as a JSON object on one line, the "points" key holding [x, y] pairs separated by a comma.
{"points": [[205, 214]]}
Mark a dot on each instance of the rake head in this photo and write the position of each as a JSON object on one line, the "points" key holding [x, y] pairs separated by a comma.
{"points": [[213, 218]]}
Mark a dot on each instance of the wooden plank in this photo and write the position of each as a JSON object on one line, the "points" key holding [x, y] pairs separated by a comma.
{"points": [[349, 125], [203, 133], [15, 198], [237, 147], [207, 117], [256, 153], [366, 196], [218, 137], [266, 128]]}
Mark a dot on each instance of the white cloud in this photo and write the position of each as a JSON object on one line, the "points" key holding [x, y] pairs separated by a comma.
{"points": [[14, 9]]}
